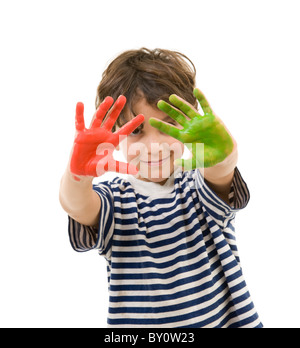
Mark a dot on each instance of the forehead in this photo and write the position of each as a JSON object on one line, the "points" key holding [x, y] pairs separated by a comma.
{"points": [[141, 106]]}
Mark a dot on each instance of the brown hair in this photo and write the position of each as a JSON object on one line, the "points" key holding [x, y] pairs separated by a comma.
{"points": [[152, 74]]}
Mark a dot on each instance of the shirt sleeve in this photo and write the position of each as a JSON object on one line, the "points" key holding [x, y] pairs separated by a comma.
{"points": [[219, 210], [84, 238], [239, 194]]}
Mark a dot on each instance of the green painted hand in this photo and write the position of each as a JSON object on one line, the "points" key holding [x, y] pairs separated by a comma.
{"points": [[197, 129]]}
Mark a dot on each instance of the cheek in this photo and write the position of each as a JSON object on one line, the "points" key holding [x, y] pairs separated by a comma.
{"points": [[131, 149], [177, 148]]}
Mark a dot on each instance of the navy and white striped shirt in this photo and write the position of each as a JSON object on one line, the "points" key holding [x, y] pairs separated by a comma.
{"points": [[172, 258]]}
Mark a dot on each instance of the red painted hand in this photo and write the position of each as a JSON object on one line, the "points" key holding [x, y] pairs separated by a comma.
{"points": [[93, 148]]}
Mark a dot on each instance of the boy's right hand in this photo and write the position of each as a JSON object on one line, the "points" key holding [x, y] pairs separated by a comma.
{"points": [[85, 159]]}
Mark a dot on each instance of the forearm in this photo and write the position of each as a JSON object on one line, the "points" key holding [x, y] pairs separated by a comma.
{"points": [[222, 186], [219, 177], [78, 198]]}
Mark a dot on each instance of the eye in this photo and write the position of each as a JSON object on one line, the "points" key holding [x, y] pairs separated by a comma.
{"points": [[170, 121], [137, 131]]}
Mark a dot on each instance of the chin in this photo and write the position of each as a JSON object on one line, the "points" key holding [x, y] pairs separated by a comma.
{"points": [[158, 180], [156, 176]]}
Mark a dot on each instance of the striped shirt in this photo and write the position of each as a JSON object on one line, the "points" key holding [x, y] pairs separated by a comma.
{"points": [[171, 253]]}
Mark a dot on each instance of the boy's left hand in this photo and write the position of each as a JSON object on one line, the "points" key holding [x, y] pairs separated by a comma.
{"points": [[197, 129]]}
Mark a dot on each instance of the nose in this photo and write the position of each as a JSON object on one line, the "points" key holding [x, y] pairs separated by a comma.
{"points": [[151, 139], [154, 146]]}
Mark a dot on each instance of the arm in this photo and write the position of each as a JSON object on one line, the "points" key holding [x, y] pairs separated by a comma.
{"points": [[221, 186], [76, 195], [79, 200], [219, 177]]}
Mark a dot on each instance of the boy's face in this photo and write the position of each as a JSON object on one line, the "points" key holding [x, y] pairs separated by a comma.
{"points": [[152, 151]]}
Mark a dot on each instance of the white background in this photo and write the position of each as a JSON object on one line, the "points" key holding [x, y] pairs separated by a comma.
{"points": [[53, 54]]}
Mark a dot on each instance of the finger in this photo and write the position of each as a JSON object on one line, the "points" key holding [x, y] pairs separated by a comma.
{"points": [[102, 111], [172, 112], [203, 101], [130, 126], [184, 106], [114, 113], [79, 118], [165, 128]]}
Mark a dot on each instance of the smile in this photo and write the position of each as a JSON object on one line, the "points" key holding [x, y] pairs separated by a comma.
{"points": [[155, 163]]}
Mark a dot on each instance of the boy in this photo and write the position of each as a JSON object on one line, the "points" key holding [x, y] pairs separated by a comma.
{"points": [[166, 229]]}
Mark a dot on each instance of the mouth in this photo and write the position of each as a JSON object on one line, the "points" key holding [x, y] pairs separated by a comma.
{"points": [[155, 163]]}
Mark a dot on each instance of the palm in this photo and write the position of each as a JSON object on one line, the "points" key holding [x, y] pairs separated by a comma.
{"points": [[197, 130], [94, 146]]}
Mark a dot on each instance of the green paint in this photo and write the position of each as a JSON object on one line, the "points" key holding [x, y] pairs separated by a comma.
{"points": [[197, 129]]}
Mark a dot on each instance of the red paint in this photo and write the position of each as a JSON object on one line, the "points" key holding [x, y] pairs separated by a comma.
{"points": [[76, 178], [85, 160]]}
